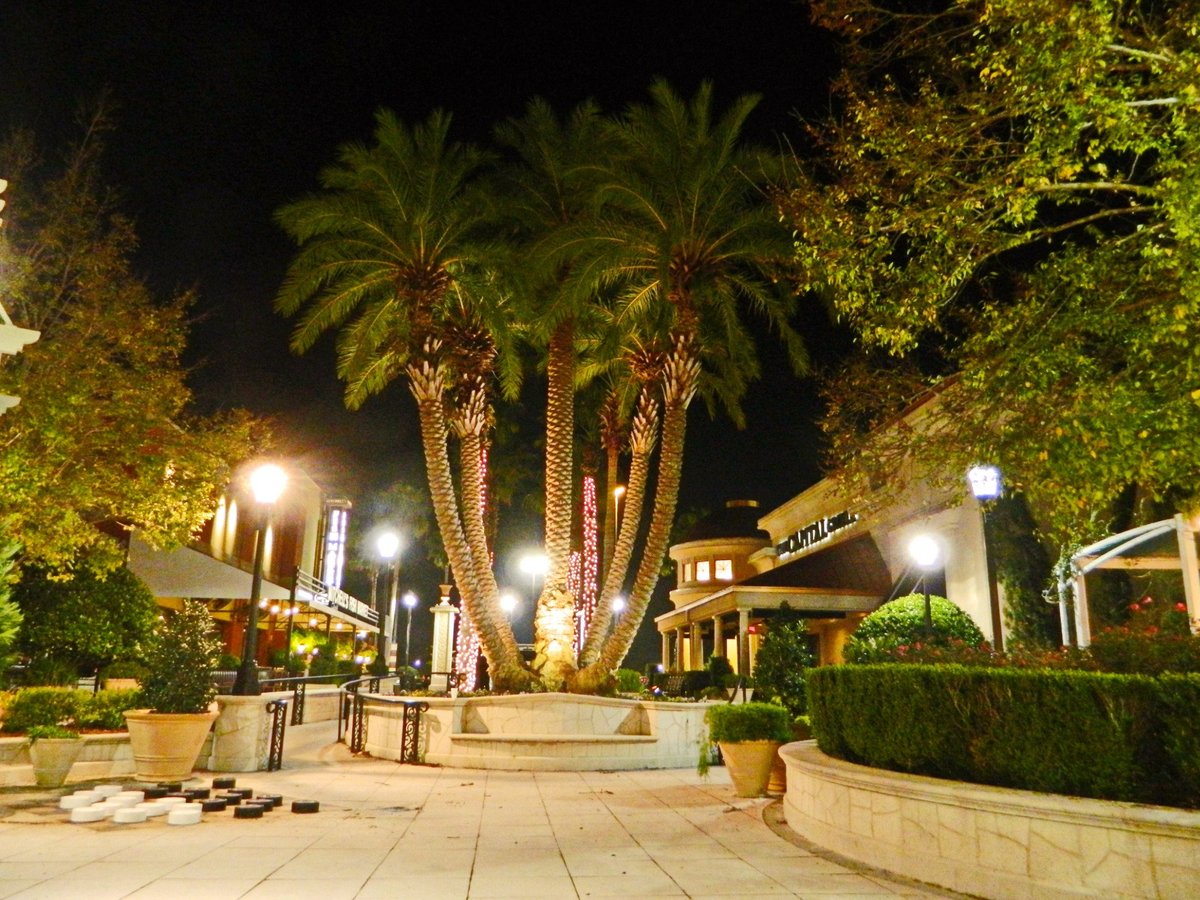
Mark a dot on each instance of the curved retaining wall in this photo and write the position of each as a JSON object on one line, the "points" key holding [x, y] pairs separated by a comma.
{"points": [[990, 841], [546, 732]]}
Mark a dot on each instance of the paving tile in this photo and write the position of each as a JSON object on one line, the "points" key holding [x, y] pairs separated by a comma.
{"points": [[193, 889], [322, 864], [297, 889], [8, 887], [426, 887], [659, 885], [489, 886]]}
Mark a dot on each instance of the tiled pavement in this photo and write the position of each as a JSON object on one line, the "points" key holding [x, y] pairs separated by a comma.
{"points": [[386, 830]]}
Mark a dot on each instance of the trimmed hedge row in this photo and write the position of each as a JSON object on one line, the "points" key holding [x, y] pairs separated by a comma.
{"points": [[1087, 734], [43, 706]]}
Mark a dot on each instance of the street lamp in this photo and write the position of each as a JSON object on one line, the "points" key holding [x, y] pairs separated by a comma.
{"points": [[410, 602], [618, 605], [986, 486], [388, 547], [509, 603], [617, 493], [535, 565], [925, 553], [267, 483]]}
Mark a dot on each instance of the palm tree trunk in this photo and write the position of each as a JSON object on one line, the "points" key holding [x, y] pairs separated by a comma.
{"points": [[642, 434], [554, 619], [680, 376]]}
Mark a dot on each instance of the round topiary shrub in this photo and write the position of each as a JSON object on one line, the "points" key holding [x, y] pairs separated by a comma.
{"points": [[902, 621]]}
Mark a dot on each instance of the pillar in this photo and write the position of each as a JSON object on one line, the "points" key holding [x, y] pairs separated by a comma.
{"points": [[678, 662], [666, 650], [441, 657], [695, 646], [743, 642], [718, 624]]}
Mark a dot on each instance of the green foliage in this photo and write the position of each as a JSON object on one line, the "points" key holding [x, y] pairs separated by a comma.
{"points": [[1024, 570], [52, 671], [125, 668], [180, 659], [734, 722], [104, 430], [719, 668], [42, 706], [781, 662], [103, 710], [10, 613], [87, 621], [1016, 200], [227, 662], [408, 678], [629, 681], [1156, 639], [52, 732], [901, 623], [1079, 733]]}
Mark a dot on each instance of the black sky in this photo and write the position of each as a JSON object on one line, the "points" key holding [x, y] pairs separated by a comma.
{"points": [[226, 110]]}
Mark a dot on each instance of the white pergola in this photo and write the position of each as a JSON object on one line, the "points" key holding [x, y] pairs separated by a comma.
{"points": [[13, 340], [1137, 548]]}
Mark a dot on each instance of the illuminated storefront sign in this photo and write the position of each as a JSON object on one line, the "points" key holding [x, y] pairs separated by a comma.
{"points": [[814, 533]]}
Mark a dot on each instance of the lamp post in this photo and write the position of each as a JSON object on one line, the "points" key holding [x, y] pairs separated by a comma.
{"points": [[509, 603], [986, 485], [925, 553], [617, 493], [388, 546], [410, 602], [267, 483]]}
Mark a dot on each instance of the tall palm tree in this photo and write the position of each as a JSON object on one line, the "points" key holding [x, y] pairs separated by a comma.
{"points": [[393, 256], [690, 243], [548, 189]]}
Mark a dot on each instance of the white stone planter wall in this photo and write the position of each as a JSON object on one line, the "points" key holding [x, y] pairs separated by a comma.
{"points": [[103, 756], [988, 841], [547, 732]]}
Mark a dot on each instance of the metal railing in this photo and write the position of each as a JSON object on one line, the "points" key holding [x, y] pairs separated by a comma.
{"points": [[300, 685], [278, 712], [352, 721], [317, 593]]}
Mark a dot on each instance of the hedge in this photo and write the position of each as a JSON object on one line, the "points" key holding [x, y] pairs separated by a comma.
{"points": [[1115, 737]]}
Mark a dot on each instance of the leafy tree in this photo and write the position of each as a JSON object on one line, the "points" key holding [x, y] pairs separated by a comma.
{"points": [[180, 658], [87, 621], [10, 613], [781, 662], [103, 433], [1009, 194]]}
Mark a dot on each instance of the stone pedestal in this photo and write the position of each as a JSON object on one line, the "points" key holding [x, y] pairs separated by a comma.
{"points": [[441, 658], [242, 734]]}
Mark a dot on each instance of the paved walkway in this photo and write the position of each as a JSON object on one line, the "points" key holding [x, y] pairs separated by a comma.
{"points": [[392, 831]]}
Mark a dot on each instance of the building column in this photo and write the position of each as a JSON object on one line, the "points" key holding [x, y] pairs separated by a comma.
{"points": [[441, 658], [718, 623], [666, 650], [696, 657], [678, 662], [743, 642]]}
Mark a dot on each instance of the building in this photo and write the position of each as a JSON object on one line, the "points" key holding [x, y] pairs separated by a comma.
{"points": [[830, 559], [303, 564]]}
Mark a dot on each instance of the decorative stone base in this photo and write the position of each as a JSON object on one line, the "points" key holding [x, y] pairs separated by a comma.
{"points": [[989, 841], [103, 756], [544, 732]]}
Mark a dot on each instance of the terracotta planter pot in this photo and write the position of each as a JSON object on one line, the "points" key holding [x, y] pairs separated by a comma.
{"points": [[749, 764], [165, 745], [52, 759]]}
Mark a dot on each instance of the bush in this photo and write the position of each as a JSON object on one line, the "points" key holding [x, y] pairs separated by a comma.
{"points": [[125, 668], [103, 710], [1071, 732], [48, 670], [719, 668], [227, 662], [1156, 639], [629, 681], [52, 732], [901, 623], [780, 664], [10, 614], [33, 706], [732, 723], [180, 660]]}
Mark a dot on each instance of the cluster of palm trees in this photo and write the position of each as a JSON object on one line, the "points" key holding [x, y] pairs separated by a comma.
{"points": [[625, 250]]}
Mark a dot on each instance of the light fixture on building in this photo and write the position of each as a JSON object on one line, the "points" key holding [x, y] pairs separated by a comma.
{"points": [[985, 482], [926, 553]]}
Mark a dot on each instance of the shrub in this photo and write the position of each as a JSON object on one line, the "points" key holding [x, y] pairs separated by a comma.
{"points": [[1071, 732], [33, 706], [1156, 639], [10, 614], [104, 710], [52, 732], [780, 664], [719, 668], [50, 670], [227, 662], [125, 668], [730, 722], [1179, 699], [902, 623], [629, 681], [180, 660]]}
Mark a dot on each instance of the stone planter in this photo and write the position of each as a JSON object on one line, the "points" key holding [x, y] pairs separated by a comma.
{"points": [[52, 759], [749, 764], [121, 684], [166, 745]]}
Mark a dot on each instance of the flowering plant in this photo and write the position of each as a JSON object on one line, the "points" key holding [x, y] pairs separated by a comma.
{"points": [[1156, 639]]}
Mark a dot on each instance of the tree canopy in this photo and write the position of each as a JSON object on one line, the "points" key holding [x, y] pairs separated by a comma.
{"points": [[1010, 193], [104, 434]]}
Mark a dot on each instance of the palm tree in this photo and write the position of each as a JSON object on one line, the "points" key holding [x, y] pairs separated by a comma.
{"points": [[548, 190], [393, 255], [690, 243]]}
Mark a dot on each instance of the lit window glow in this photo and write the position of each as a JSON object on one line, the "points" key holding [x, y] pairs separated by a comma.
{"points": [[703, 571], [724, 570]]}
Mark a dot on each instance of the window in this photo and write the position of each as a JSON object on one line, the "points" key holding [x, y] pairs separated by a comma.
{"points": [[687, 571], [724, 570], [702, 570]]}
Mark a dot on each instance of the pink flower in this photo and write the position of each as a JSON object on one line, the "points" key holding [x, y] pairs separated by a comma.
{"points": [[1182, 607]]}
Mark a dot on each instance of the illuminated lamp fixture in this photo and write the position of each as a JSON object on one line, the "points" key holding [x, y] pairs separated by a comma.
{"points": [[387, 544], [410, 603], [985, 482], [535, 565], [509, 603]]}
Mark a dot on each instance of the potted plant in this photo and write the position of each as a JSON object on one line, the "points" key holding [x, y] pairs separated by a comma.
{"points": [[178, 690], [749, 735], [53, 749]]}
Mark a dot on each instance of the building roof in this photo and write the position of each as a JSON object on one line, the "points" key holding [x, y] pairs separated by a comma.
{"points": [[853, 565], [737, 519]]}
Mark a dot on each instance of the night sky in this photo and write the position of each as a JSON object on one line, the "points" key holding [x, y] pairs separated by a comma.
{"points": [[226, 110]]}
